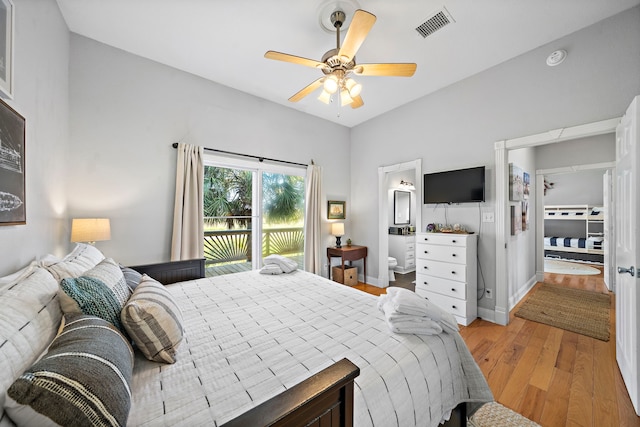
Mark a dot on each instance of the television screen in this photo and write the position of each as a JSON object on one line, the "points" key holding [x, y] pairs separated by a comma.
{"points": [[455, 186]]}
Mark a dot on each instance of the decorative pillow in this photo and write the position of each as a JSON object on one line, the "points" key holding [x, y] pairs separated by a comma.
{"points": [[84, 379], [82, 258], [287, 265], [154, 321], [29, 319], [101, 291], [131, 276]]}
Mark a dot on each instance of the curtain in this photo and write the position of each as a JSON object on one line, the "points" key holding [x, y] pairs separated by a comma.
{"points": [[313, 220], [188, 221]]}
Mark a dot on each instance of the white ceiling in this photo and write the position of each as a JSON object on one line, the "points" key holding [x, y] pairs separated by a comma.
{"points": [[225, 41]]}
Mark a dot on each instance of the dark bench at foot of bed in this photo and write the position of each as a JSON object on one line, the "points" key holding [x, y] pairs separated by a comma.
{"points": [[324, 399]]}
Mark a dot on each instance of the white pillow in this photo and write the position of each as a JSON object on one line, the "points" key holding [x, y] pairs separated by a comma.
{"points": [[29, 319], [287, 265], [82, 258]]}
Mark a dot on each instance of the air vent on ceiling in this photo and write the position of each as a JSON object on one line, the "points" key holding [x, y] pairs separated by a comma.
{"points": [[434, 22]]}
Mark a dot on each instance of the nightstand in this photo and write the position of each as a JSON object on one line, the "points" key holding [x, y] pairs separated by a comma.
{"points": [[348, 253]]}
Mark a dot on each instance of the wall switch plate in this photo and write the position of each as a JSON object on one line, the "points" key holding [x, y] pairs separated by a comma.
{"points": [[488, 217], [489, 293]]}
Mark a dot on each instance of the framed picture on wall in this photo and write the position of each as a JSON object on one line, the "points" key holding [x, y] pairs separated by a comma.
{"points": [[12, 164], [516, 219], [516, 183], [335, 209], [6, 48]]}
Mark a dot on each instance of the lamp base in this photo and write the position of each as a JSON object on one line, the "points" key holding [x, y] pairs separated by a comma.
{"points": [[338, 244]]}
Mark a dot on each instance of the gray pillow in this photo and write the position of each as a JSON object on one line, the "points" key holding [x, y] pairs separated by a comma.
{"points": [[84, 379]]}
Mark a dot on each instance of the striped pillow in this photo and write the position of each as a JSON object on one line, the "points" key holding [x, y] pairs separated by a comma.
{"points": [[80, 259], [29, 318], [84, 379], [154, 321], [101, 291]]}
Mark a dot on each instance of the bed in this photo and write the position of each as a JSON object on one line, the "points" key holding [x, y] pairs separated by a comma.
{"points": [[574, 228], [292, 349]]}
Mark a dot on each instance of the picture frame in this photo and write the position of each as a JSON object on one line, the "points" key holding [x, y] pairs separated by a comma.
{"points": [[12, 166], [7, 20], [335, 209], [516, 219], [516, 184]]}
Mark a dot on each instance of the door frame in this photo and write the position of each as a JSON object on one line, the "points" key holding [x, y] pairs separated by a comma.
{"points": [[383, 214], [503, 232]]}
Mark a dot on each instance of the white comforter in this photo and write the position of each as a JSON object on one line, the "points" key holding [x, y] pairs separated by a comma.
{"points": [[251, 336]]}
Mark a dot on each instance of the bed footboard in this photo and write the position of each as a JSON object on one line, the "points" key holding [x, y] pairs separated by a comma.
{"points": [[325, 398], [173, 271]]}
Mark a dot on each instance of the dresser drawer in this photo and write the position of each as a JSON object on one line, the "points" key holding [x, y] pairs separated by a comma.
{"points": [[441, 286], [410, 263], [449, 304], [453, 254], [446, 270], [443, 239]]}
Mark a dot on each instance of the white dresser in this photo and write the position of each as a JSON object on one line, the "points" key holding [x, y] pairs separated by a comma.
{"points": [[403, 249], [446, 272]]}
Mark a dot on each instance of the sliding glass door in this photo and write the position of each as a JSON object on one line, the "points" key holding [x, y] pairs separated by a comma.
{"points": [[251, 213]]}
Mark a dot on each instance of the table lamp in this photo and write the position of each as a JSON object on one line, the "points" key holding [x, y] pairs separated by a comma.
{"points": [[337, 229], [90, 230]]}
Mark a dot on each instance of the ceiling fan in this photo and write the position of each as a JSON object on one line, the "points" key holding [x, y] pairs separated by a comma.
{"points": [[340, 63]]}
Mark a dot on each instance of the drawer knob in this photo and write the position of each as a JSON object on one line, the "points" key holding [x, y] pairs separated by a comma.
{"points": [[454, 307], [453, 272], [426, 252], [426, 283], [454, 240], [453, 289], [426, 268], [453, 254]]}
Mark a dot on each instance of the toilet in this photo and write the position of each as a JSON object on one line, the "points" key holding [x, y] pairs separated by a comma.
{"points": [[392, 263]]}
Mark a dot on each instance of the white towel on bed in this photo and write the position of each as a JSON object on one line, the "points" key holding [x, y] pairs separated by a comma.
{"points": [[404, 301], [402, 323], [271, 269], [287, 265]]}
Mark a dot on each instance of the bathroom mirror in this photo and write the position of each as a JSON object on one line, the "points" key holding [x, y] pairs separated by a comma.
{"points": [[401, 207]]}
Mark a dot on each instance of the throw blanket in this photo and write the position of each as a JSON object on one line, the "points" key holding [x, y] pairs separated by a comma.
{"points": [[408, 313]]}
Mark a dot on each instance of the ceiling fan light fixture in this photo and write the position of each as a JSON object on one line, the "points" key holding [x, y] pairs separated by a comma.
{"points": [[353, 87], [331, 84], [325, 97], [345, 98]]}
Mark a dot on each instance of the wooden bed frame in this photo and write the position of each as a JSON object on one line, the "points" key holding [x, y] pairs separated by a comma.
{"points": [[324, 399]]}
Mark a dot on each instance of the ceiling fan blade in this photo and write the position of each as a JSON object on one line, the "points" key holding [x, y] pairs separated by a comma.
{"points": [[357, 102], [360, 26], [307, 90], [400, 69], [279, 56]]}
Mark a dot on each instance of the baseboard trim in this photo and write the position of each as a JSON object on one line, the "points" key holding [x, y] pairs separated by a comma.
{"points": [[515, 299], [487, 314]]}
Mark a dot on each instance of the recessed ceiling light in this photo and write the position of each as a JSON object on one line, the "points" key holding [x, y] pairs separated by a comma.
{"points": [[556, 57]]}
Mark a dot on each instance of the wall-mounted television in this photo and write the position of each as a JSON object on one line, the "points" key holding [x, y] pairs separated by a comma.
{"points": [[454, 186]]}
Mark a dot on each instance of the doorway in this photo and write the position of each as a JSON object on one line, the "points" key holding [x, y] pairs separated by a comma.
{"points": [[502, 148], [385, 174]]}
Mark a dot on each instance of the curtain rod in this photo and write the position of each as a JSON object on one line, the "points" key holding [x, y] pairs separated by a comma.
{"points": [[259, 158]]}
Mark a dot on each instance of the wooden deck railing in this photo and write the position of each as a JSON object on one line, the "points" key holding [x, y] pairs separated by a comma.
{"points": [[235, 245]]}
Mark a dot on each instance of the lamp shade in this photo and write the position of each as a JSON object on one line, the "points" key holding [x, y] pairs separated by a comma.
{"points": [[90, 229], [337, 229]]}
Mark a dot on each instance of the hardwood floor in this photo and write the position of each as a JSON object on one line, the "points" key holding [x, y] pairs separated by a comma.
{"points": [[551, 376]]}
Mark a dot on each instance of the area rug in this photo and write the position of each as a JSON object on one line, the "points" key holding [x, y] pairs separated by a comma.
{"points": [[583, 312], [566, 267], [493, 414]]}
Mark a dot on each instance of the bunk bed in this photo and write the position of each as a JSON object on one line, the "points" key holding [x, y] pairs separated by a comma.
{"points": [[587, 238]]}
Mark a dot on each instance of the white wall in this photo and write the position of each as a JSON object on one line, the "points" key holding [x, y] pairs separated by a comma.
{"points": [[522, 246], [41, 96], [127, 111], [457, 126]]}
